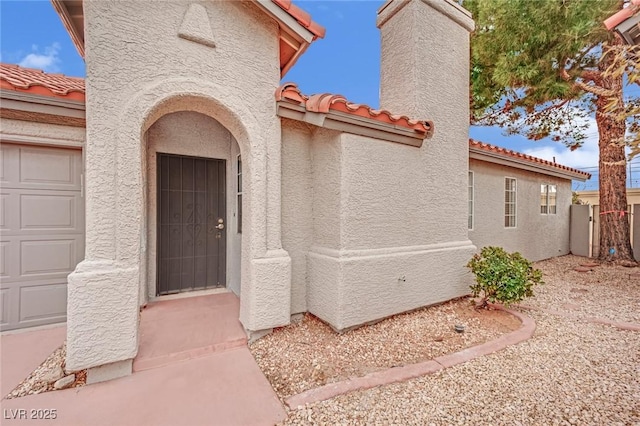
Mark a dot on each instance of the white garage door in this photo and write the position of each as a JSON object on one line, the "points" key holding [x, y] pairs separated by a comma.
{"points": [[42, 227]]}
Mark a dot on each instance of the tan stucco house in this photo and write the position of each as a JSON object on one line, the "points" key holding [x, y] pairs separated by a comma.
{"points": [[182, 164]]}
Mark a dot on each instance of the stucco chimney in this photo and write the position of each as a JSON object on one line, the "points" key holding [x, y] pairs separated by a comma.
{"points": [[425, 75], [425, 61]]}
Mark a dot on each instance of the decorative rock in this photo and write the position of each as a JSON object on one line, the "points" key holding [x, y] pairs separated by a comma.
{"points": [[582, 269], [50, 376], [579, 290], [590, 264], [65, 382]]}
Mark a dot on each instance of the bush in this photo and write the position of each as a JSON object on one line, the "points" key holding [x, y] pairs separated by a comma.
{"points": [[503, 277]]}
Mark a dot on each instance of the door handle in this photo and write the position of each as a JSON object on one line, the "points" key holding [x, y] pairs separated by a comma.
{"points": [[220, 226]]}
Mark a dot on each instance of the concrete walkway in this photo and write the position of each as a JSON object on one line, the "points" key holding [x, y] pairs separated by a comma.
{"points": [[186, 380], [21, 352]]}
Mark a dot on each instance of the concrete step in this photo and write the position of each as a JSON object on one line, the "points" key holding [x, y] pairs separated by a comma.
{"points": [[187, 328]]}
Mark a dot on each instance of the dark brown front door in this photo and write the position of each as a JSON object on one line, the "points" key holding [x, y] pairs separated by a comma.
{"points": [[191, 224]]}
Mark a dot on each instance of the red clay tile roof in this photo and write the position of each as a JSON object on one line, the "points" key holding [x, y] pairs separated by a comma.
{"points": [[37, 82], [519, 155], [302, 17], [325, 102]]}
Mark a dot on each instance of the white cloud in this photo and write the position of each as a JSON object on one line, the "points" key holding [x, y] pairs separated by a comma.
{"points": [[47, 60], [585, 156]]}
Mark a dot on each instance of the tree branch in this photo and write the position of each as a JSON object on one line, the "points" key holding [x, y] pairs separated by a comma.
{"points": [[594, 76]]}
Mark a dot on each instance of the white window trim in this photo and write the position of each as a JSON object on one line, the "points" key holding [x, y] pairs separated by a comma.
{"points": [[515, 203], [548, 198], [472, 213]]}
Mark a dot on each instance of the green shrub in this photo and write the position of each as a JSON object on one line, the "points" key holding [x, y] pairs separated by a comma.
{"points": [[503, 277]]}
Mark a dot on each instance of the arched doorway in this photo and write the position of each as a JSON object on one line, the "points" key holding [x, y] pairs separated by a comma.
{"points": [[194, 205]]}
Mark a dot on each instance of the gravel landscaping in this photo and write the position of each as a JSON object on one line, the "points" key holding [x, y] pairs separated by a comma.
{"points": [[605, 292], [50, 375], [571, 372], [310, 354]]}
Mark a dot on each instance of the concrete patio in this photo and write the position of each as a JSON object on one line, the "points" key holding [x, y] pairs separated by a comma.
{"points": [[193, 368]]}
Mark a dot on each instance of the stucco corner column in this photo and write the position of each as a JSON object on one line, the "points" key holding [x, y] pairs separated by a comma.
{"points": [[265, 301], [102, 321]]}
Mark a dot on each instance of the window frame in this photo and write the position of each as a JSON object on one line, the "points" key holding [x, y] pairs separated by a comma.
{"points": [[239, 192], [515, 203], [471, 202], [545, 196]]}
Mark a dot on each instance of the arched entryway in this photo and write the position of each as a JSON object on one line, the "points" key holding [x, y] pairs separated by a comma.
{"points": [[107, 289], [194, 205]]}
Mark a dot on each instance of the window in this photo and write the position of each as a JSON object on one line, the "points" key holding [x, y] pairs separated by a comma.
{"points": [[239, 195], [470, 224], [509, 203], [548, 199]]}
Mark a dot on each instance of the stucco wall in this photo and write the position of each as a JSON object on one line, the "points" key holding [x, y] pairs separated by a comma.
{"points": [[297, 205], [193, 134], [385, 253], [138, 70], [536, 236]]}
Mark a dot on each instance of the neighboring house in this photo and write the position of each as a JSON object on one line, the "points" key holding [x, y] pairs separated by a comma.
{"points": [[519, 202], [626, 23], [194, 176]]}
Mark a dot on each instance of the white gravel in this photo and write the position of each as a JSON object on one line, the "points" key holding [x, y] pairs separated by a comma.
{"points": [[570, 373]]}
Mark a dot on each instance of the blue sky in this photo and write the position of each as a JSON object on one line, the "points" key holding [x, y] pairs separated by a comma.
{"points": [[32, 35]]}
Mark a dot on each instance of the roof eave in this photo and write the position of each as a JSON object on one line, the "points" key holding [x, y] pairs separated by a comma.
{"points": [[629, 29], [290, 25], [349, 123], [29, 100], [77, 34], [291, 28], [507, 160], [41, 109]]}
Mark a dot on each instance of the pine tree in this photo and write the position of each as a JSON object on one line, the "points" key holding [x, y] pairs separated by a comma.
{"points": [[541, 68]]}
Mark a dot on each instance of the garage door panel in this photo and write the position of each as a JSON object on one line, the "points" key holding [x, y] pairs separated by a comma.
{"points": [[39, 257], [8, 163], [4, 199], [4, 259], [5, 311], [48, 211], [33, 212], [40, 302], [46, 167]]}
